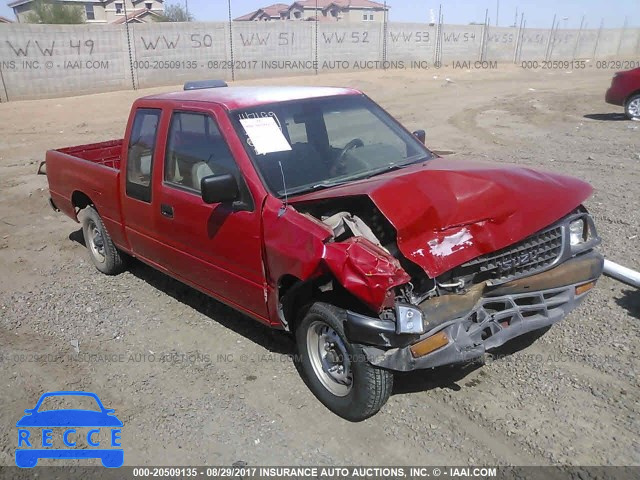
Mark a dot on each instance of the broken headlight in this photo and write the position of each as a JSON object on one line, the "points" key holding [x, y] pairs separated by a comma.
{"points": [[408, 319], [578, 231]]}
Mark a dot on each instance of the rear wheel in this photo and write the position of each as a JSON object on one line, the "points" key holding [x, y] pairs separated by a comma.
{"points": [[632, 107], [104, 254], [336, 370]]}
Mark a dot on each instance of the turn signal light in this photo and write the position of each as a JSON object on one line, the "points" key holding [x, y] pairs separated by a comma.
{"points": [[429, 344], [585, 287]]}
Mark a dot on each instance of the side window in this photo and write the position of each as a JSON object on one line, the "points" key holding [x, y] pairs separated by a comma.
{"points": [[196, 149], [142, 145]]}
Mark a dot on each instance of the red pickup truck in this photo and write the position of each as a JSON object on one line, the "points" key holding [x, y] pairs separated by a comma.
{"points": [[313, 211]]}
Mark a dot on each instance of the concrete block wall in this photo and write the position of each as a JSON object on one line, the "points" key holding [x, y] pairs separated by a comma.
{"points": [[263, 49], [462, 43], [629, 41], [38, 61], [177, 53], [349, 46], [501, 43], [411, 42], [42, 61], [563, 44], [533, 44], [586, 43]]}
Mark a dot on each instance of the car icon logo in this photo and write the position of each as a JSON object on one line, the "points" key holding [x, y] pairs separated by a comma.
{"points": [[32, 447]]}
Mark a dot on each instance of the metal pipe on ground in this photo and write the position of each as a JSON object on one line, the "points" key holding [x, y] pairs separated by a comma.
{"points": [[623, 274]]}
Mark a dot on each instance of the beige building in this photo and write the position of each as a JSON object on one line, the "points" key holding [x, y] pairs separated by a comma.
{"points": [[327, 10], [103, 11]]}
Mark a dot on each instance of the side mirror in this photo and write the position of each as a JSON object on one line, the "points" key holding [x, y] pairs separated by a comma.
{"points": [[420, 135], [219, 188]]}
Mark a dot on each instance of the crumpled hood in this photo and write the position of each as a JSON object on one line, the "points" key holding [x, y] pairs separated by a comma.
{"points": [[447, 211]]}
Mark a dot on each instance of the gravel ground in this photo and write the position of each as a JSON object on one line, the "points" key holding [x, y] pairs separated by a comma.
{"points": [[197, 383]]}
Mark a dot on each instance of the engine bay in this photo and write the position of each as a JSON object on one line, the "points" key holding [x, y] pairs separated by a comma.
{"points": [[357, 216]]}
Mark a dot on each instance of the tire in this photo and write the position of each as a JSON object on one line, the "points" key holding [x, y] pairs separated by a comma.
{"points": [[104, 254], [357, 391], [632, 107]]}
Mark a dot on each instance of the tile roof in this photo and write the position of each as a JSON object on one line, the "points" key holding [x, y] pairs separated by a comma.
{"points": [[136, 14], [275, 9], [341, 3], [271, 10]]}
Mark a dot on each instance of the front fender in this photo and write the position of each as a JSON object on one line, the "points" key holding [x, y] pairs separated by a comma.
{"points": [[298, 245], [365, 270]]}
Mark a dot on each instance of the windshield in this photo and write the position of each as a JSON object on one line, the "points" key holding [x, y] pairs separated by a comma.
{"points": [[322, 142], [69, 402]]}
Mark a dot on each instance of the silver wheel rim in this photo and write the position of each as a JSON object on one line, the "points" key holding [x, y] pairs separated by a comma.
{"points": [[329, 358], [634, 108], [96, 241]]}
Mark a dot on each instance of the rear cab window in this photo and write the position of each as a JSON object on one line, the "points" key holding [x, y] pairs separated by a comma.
{"points": [[141, 150]]}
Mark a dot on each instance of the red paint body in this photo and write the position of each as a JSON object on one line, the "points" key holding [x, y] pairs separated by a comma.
{"points": [[239, 257], [623, 85], [498, 206]]}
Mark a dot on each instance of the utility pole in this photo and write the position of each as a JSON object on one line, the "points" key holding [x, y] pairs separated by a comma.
{"points": [[497, 11], [186, 8]]}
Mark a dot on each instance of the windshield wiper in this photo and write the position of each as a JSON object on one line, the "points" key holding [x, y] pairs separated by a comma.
{"points": [[388, 168], [393, 167], [316, 187], [324, 185]]}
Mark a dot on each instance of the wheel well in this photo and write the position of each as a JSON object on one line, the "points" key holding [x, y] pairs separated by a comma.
{"points": [[80, 200], [295, 296], [630, 96]]}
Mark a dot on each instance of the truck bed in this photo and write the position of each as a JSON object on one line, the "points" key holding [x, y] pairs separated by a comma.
{"points": [[88, 174], [103, 153]]}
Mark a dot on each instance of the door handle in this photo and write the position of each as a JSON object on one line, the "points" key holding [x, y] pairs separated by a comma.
{"points": [[166, 210]]}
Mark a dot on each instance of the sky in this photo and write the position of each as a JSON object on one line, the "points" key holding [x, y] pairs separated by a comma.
{"points": [[538, 13]]}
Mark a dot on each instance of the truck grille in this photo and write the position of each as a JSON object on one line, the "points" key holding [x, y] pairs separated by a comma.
{"points": [[531, 255]]}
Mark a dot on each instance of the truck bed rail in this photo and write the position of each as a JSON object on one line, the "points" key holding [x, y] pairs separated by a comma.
{"points": [[103, 153]]}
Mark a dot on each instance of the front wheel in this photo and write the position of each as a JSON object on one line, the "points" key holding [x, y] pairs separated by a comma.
{"points": [[336, 370], [632, 107]]}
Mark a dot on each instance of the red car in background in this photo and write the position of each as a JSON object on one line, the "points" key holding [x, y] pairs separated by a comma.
{"points": [[625, 91]]}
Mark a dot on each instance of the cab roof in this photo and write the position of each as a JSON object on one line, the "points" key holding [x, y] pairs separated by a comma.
{"points": [[234, 98]]}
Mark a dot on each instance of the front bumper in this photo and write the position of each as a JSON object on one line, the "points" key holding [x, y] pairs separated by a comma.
{"points": [[483, 319]]}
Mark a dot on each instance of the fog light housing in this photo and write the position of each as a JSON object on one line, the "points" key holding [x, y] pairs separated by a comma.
{"points": [[408, 319], [578, 231]]}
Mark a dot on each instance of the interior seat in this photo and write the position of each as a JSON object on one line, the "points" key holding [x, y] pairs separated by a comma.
{"points": [[199, 171]]}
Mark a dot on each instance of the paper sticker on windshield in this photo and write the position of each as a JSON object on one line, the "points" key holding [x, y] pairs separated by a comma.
{"points": [[265, 135]]}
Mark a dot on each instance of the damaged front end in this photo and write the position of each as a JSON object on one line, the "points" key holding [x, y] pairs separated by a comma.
{"points": [[424, 322]]}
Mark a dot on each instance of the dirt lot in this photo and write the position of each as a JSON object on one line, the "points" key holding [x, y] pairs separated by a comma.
{"points": [[228, 390]]}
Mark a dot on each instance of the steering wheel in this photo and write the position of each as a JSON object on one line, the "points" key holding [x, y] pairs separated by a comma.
{"points": [[340, 167]]}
